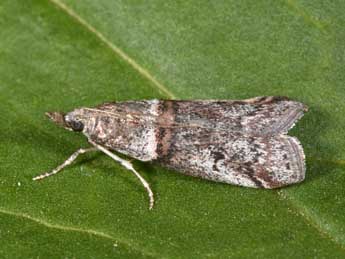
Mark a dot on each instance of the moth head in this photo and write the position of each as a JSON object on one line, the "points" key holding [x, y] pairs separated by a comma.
{"points": [[72, 121]]}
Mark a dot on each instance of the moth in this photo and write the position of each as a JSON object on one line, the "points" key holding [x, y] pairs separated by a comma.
{"points": [[240, 142]]}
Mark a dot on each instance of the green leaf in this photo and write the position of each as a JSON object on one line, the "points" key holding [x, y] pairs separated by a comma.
{"points": [[59, 54]]}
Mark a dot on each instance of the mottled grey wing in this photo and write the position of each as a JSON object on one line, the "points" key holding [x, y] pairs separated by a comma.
{"points": [[268, 115], [268, 162]]}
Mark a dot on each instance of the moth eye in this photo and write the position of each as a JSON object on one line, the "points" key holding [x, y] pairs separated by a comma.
{"points": [[77, 125]]}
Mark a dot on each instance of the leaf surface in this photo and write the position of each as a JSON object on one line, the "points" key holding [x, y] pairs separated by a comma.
{"points": [[59, 54]]}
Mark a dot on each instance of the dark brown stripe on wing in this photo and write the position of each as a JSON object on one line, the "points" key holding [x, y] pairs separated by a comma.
{"points": [[166, 117]]}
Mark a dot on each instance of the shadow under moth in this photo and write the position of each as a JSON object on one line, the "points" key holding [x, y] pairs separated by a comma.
{"points": [[241, 142]]}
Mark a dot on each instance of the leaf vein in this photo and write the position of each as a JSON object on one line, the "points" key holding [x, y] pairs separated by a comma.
{"points": [[74, 229], [307, 17], [313, 221], [144, 72]]}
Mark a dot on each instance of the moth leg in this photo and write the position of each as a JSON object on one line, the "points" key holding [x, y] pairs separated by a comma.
{"points": [[66, 163], [130, 167]]}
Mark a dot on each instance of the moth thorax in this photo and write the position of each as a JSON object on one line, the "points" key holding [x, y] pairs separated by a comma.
{"points": [[137, 141]]}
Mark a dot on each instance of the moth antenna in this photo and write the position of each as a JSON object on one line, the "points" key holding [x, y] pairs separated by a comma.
{"points": [[66, 163], [135, 117], [130, 167]]}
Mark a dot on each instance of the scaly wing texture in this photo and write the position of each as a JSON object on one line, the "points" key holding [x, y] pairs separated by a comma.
{"points": [[269, 115], [234, 158], [238, 142]]}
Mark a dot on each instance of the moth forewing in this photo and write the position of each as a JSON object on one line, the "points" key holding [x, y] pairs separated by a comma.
{"points": [[230, 157]]}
